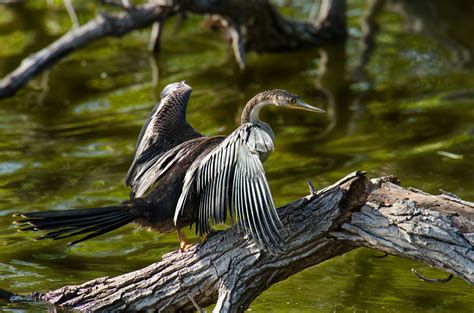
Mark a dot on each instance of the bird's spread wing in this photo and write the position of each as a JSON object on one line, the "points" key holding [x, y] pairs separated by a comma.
{"points": [[145, 144], [164, 129], [149, 173], [231, 177]]}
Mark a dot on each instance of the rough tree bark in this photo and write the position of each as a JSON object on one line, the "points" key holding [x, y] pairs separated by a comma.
{"points": [[252, 25], [231, 270]]}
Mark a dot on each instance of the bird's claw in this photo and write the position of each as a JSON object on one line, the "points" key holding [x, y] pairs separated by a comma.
{"points": [[185, 246]]}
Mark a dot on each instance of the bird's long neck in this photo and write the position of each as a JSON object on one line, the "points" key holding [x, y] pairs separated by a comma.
{"points": [[252, 109]]}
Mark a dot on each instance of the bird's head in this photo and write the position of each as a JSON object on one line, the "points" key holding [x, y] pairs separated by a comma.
{"points": [[283, 98], [277, 97], [181, 86]]}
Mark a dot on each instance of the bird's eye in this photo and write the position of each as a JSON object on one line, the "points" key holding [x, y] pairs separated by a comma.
{"points": [[292, 100]]}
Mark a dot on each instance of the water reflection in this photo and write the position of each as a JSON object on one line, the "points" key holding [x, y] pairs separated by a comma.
{"points": [[447, 22], [155, 77], [393, 104], [331, 81]]}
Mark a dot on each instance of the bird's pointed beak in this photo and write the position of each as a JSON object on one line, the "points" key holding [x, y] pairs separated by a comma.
{"points": [[304, 106]]}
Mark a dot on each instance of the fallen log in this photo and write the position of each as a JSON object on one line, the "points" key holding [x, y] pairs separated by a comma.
{"points": [[231, 271], [251, 25], [435, 230]]}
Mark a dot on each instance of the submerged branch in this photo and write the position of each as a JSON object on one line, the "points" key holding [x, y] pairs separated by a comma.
{"points": [[103, 25], [252, 25], [230, 270]]}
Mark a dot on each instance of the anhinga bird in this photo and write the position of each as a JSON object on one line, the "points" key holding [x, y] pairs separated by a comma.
{"points": [[195, 179]]}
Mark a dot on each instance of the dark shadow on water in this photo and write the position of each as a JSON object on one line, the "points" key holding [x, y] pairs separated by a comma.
{"points": [[449, 22]]}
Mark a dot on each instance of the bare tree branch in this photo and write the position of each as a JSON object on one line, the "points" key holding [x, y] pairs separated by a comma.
{"points": [[263, 29], [231, 270], [72, 13], [416, 225], [155, 36], [253, 26], [102, 26]]}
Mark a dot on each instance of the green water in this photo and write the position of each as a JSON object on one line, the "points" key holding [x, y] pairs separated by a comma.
{"points": [[66, 140]]}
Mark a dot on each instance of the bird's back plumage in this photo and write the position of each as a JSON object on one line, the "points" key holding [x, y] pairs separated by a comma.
{"points": [[165, 128]]}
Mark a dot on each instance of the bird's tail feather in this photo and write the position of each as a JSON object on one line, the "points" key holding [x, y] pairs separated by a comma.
{"points": [[69, 223]]}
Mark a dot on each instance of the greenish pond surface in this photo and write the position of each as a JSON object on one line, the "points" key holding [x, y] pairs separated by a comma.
{"points": [[66, 140]]}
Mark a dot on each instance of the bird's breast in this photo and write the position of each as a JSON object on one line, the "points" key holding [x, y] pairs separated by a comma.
{"points": [[266, 137]]}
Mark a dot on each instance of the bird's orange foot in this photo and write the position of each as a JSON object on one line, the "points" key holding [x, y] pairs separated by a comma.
{"points": [[184, 245]]}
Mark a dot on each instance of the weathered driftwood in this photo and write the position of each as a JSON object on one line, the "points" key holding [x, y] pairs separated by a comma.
{"points": [[231, 270], [252, 25], [435, 230]]}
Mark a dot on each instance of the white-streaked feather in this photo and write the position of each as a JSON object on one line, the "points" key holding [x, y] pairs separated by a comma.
{"points": [[233, 169]]}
